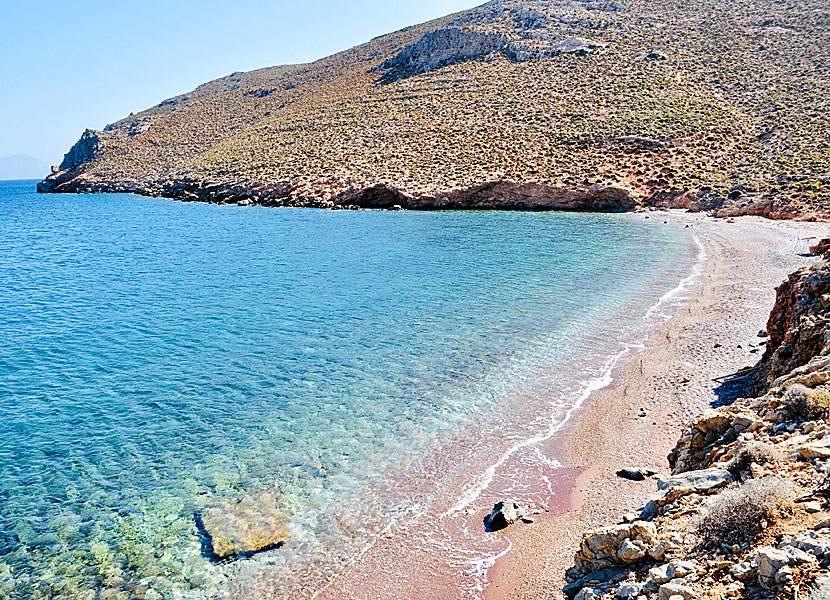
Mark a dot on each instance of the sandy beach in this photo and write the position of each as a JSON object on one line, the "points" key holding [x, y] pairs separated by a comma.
{"points": [[715, 334]]}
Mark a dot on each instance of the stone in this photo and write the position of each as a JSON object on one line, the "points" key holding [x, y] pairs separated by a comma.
{"points": [[658, 552], [635, 473], [744, 571], [245, 525], [629, 590], [669, 590], [630, 552], [673, 570], [771, 560], [821, 589], [671, 488], [681, 568], [598, 577], [812, 507], [816, 450], [504, 514], [659, 574], [586, 594], [784, 576], [812, 542]]}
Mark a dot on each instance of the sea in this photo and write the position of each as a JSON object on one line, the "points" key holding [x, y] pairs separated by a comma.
{"points": [[157, 357]]}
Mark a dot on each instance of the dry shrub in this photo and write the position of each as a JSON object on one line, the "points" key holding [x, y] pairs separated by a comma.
{"points": [[753, 452], [741, 511], [805, 404]]}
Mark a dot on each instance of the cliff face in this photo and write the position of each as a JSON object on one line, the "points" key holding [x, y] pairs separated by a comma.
{"points": [[746, 511], [719, 106]]}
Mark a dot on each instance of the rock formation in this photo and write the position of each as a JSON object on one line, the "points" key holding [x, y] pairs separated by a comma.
{"points": [[746, 512], [517, 104]]}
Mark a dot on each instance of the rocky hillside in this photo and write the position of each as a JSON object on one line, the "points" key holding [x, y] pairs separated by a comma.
{"points": [[580, 104], [746, 510]]}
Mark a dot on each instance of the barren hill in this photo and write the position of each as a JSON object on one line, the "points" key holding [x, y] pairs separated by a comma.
{"points": [[537, 104]]}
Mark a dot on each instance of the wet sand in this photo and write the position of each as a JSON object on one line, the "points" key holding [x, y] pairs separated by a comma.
{"points": [[440, 550], [672, 380]]}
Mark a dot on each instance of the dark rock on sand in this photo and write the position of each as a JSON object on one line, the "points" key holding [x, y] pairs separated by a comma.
{"points": [[635, 473], [504, 514]]}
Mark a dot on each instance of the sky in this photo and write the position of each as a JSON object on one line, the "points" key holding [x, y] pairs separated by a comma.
{"points": [[68, 66]]}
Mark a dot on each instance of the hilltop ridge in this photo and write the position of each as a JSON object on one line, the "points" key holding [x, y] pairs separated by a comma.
{"points": [[525, 104]]}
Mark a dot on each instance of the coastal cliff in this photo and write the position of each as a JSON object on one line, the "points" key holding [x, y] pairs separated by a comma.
{"points": [[745, 512], [516, 104]]}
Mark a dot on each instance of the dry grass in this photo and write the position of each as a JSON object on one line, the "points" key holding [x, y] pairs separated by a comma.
{"points": [[805, 404], [742, 511], [753, 453], [741, 106]]}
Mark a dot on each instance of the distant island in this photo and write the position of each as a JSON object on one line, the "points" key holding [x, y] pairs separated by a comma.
{"points": [[22, 166], [518, 104]]}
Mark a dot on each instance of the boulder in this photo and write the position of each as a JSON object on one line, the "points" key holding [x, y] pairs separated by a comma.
{"points": [[812, 542], [819, 449], [669, 590], [504, 514], [635, 473], [772, 560], [245, 525], [612, 547]]}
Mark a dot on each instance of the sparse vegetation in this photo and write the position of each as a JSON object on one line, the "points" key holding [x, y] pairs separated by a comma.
{"points": [[738, 110], [743, 510], [805, 404], [753, 453]]}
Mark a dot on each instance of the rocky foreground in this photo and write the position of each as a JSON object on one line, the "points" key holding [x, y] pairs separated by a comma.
{"points": [[745, 512], [517, 104]]}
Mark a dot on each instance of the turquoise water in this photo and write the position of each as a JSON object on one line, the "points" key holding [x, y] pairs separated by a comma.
{"points": [[156, 355]]}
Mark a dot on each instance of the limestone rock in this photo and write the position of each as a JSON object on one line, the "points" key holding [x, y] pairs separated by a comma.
{"points": [[629, 590], [244, 525], [812, 542], [669, 590], [771, 560]]}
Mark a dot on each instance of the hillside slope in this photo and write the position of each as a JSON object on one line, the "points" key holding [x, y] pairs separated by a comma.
{"points": [[581, 104]]}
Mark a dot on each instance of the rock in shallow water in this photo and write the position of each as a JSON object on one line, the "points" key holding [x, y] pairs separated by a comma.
{"points": [[244, 525], [504, 514]]}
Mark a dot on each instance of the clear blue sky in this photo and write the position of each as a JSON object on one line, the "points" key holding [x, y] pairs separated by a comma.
{"points": [[66, 66]]}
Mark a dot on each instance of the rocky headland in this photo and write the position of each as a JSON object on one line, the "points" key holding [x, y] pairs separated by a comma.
{"points": [[516, 104]]}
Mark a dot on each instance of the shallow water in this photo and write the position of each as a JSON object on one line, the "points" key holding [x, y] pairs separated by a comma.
{"points": [[156, 355]]}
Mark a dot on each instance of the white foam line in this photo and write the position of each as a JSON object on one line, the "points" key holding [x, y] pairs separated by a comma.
{"points": [[483, 565], [594, 385], [697, 271], [472, 493]]}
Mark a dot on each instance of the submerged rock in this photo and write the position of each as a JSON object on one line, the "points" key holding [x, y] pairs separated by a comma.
{"points": [[244, 525]]}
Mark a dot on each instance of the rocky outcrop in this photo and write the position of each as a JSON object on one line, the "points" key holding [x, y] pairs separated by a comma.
{"points": [[799, 322], [746, 511], [335, 193], [239, 526], [85, 150], [440, 48]]}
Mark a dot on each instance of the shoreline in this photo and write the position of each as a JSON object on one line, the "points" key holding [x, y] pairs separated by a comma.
{"points": [[672, 378]]}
